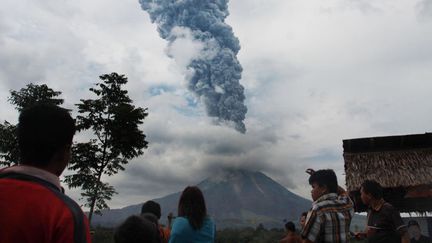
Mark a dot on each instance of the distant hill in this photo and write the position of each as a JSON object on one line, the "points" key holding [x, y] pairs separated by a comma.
{"points": [[234, 198]]}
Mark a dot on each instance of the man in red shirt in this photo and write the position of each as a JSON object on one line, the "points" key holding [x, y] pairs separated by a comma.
{"points": [[33, 208]]}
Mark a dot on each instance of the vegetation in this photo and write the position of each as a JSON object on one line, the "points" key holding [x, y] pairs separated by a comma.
{"points": [[245, 235], [114, 121], [249, 235]]}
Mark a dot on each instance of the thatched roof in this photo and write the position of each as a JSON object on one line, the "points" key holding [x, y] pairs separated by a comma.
{"points": [[390, 168], [398, 163]]}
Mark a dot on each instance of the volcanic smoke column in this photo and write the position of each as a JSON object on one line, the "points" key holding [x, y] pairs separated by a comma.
{"points": [[216, 70]]}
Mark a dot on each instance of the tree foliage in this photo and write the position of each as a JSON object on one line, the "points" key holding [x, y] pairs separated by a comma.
{"points": [[114, 121], [9, 153], [21, 99], [249, 235], [33, 94]]}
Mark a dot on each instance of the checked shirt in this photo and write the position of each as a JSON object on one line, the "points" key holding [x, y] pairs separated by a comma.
{"points": [[329, 219]]}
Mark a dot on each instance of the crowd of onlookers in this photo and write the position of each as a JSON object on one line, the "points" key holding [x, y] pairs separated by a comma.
{"points": [[332, 210], [34, 208], [191, 225]]}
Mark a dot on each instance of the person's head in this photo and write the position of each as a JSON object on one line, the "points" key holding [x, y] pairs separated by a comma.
{"points": [[151, 207], [414, 229], [303, 219], [289, 226], [192, 206], [323, 182], [136, 229], [369, 191], [45, 135]]}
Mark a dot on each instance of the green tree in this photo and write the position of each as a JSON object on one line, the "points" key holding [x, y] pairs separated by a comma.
{"points": [[9, 153], [117, 139], [25, 97], [33, 94]]}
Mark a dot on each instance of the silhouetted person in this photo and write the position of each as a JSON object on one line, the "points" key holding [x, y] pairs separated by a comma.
{"points": [[415, 232], [152, 218], [136, 229], [33, 207], [330, 217], [192, 224], [155, 209], [384, 221], [302, 220], [291, 236]]}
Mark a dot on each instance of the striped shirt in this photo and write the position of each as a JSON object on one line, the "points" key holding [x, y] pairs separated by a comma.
{"points": [[329, 219]]}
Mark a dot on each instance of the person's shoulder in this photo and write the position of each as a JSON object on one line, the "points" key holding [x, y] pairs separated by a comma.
{"points": [[286, 239], [291, 238], [181, 226], [208, 220], [316, 209], [387, 207], [180, 222]]}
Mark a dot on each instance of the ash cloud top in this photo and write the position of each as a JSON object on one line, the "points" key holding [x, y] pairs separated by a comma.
{"points": [[215, 70]]}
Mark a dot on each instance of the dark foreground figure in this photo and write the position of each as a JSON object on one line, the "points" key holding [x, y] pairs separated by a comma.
{"points": [[153, 208], [136, 229], [33, 208]]}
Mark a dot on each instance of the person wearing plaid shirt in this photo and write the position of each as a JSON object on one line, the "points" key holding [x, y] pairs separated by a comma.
{"points": [[332, 210]]}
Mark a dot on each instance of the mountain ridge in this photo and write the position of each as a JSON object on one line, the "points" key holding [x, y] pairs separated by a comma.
{"points": [[234, 199]]}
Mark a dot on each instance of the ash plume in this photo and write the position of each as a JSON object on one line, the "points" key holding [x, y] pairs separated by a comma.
{"points": [[215, 70]]}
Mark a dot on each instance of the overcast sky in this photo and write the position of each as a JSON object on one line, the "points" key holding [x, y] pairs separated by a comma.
{"points": [[315, 72]]}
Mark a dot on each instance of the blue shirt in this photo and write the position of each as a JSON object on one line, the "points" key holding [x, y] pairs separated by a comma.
{"points": [[182, 232]]}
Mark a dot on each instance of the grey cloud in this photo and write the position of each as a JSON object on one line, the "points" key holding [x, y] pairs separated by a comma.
{"points": [[364, 6], [20, 67], [424, 9], [225, 149], [325, 155], [148, 171], [142, 180], [186, 155]]}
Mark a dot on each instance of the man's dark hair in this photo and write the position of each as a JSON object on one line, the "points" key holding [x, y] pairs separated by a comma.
{"points": [[304, 214], [192, 206], [42, 130], [413, 223], [151, 207], [325, 178], [136, 229], [373, 188], [290, 226]]}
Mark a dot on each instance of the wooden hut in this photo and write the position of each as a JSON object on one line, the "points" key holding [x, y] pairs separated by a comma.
{"points": [[401, 164]]}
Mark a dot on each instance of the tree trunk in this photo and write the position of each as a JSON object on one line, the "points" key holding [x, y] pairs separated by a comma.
{"points": [[94, 198]]}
